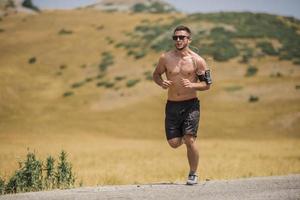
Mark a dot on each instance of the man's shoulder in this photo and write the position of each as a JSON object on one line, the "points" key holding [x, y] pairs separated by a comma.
{"points": [[167, 55], [196, 56]]}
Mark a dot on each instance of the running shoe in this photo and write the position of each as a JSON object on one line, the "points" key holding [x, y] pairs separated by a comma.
{"points": [[192, 179]]}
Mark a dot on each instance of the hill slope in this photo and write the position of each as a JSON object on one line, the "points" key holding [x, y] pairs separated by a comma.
{"points": [[84, 64], [74, 80]]}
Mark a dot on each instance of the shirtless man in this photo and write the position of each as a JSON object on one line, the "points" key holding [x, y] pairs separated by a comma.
{"points": [[186, 73]]}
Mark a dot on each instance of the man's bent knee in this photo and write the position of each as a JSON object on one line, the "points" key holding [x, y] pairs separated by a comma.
{"points": [[189, 139], [175, 142]]}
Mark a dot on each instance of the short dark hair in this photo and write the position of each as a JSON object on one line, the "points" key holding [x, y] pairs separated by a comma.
{"points": [[183, 28]]}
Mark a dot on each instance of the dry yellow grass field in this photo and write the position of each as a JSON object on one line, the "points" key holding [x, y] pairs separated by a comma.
{"points": [[116, 136]]}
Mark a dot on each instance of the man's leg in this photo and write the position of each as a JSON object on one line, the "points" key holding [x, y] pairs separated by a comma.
{"points": [[192, 152], [175, 142]]}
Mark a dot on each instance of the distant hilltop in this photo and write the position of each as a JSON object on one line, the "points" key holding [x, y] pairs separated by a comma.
{"points": [[14, 6], [152, 6]]}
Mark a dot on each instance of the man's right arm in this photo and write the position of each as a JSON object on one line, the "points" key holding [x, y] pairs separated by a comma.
{"points": [[159, 70]]}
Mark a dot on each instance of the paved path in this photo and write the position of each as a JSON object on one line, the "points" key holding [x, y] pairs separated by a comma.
{"points": [[260, 188]]}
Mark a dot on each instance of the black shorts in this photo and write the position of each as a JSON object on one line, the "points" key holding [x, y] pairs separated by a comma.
{"points": [[182, 117]]}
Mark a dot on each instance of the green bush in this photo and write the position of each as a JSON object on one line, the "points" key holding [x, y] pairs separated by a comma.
{"points": [[88, 79], [120, 78], [253, 98], [251, 71], [107, 60], [2, 186], [223, 50], [247, 53], [50, 173], [109, 84], [65, 32], [132, 82], [99, 76], [297, 61], [153, 7], [28, 177], [110, 40], [1, 30], [67, 94], [30, 5], [78, 84], [140, 54], [65, 178], [106, 84], [100, 27], [62, 67], [267, 48], [148, 75], [32, 175], [32, 60]]}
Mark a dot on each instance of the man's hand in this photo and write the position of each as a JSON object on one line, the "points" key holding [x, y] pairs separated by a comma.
{"points": [[187, 83], [166, 84]]}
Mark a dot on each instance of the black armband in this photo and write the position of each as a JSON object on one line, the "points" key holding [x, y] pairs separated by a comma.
{"points": [[205, 77]]}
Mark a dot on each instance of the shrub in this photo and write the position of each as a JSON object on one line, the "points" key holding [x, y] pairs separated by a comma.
{"points": [[64, 175], [253, 99], [120, 78], [107, 60], [32, 60], [62, 67], [99, 76], [297, 87], [139, 54], [148, 75], [276, 75], [223, 50], [109, 84], [78, 84], [50, 173], [296, 62], [251, 71], [246, 55], [65, 32], [28, 177], [106, 84], [30, 5], [32, 176], [88, 80], [109, 40], [67, 94], [1, 30], [2, 186], [100, 27], [267, 48], [132, 82]]}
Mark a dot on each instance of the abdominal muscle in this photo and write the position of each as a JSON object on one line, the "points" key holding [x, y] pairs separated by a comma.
{"points": [[177, 92]]}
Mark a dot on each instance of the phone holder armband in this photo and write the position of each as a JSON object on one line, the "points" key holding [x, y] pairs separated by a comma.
{"points": [[205, 77]]}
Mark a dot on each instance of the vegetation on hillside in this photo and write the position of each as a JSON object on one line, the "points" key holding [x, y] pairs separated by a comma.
{"points": [[152, 7], [221, 41]]}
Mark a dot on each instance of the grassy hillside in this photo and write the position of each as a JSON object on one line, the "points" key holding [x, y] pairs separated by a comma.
{"points": [[81, 81]]}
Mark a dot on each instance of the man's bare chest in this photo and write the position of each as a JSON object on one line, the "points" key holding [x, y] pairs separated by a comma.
{"points": [[180, 67]]}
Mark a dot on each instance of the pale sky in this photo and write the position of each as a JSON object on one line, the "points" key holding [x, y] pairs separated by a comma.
{"points": [[279, 7]]}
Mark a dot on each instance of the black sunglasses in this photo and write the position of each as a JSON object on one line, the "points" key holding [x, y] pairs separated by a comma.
{"points": [[181, 37]]}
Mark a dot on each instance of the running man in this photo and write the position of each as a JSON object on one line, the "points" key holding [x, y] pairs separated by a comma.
{"points": [[186, 72]]}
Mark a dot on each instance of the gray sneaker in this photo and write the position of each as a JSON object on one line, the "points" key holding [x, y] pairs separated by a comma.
{"points": [[192, 179]]}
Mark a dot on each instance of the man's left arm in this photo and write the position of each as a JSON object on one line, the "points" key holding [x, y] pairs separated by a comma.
{"points": [[202, 73]]}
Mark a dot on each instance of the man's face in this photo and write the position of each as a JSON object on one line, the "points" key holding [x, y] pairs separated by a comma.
{"points": [[181, 39]]}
